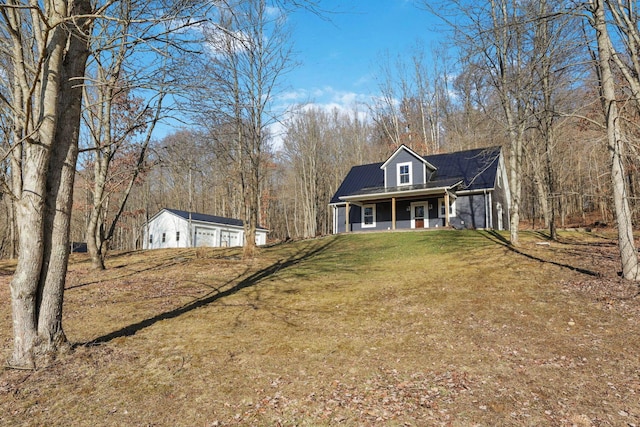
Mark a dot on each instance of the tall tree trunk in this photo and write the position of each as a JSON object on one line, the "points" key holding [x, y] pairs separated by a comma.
{"points": [[26, 284], [543, 198], [626, 244], [60, 186], [515, 178], [26, 280], [251, 207], [13, 253], [94, 225], [44, 203], [549, 138]]}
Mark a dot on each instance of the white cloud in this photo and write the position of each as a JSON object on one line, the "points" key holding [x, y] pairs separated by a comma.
{"points": [[274, 12], [293, 96], [325, 98]]}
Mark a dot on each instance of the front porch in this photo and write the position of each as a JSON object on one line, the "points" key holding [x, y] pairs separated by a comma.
{"points": [[416, 207]]}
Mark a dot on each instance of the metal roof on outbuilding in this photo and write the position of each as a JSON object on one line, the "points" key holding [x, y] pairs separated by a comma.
{"points": [[214, 219]]}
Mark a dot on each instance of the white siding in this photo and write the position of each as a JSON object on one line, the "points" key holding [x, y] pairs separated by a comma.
{"points": [[168, 224], [204, 234], [261, 237]]}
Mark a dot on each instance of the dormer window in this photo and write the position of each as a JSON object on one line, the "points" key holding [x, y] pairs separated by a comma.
{"points": [[404, 174]]}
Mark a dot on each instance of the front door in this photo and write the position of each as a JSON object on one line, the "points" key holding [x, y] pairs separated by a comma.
{"points": [[418, 215]]}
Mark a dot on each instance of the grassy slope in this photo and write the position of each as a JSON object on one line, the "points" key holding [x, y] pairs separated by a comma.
{"points": [[423, 328]]}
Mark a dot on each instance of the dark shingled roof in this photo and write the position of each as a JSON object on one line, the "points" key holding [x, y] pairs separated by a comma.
{"points": [[477, 169], [209, 218]]}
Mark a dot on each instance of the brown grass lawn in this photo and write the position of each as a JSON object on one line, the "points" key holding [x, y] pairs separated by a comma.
{"points": [[391, 329]]}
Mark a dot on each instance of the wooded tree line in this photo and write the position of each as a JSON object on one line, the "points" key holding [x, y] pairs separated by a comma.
{"points": [[554, 82], [522, 75]]}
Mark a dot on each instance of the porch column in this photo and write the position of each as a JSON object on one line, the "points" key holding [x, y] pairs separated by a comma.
{"points": [[393, 213], [446, 208], [346, 218]]}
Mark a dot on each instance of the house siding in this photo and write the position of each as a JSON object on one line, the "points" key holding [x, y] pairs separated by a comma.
{"points": [[470, 214], [471, 211], [417, 169], [383, 218], [168, 224], [499, 196]]}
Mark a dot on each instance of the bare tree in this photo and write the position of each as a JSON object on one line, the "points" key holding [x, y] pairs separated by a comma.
{"points": [[47, 46], [413, 99], [494, 37], [603, 58], [304, 147], [7, 224], [469, 122], [47, 49], [318, 150], [249, 52], [119, 123], [555, 44]]}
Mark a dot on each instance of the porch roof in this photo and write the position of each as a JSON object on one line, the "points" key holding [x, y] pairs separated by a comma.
{"points": [[428, 189]]}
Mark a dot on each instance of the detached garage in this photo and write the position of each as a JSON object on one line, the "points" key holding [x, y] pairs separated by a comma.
{"points": [[173, 228]]}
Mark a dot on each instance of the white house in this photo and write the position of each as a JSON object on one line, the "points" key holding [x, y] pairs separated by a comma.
{"points": [[172, 228]]}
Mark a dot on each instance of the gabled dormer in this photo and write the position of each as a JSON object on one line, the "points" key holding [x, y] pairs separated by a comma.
{"points": [[406, 168]]}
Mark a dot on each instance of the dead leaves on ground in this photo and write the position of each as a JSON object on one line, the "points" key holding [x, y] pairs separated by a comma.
{"points": [[417, 399]]}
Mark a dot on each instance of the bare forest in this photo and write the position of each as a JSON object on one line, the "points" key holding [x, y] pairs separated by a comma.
{"points": [[89, 87], [434, 100]]}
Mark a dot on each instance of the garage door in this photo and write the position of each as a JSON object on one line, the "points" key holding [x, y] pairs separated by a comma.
{"points": [[230, 238], [205, 237]]}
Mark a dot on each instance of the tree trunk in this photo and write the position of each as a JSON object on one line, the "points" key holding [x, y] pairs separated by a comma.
{"points": [[515, 175], [543, 199], [44, 205], [60, 194], [626, 244], [553, 234], [251, 218], [24, 286], [13, 253], [94, 225]]}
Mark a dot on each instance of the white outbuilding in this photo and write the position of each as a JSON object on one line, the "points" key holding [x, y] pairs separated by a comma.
{"points": [[173, 228]]}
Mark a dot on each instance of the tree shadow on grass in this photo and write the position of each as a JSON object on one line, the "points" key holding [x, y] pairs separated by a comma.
{"points": [[215, 294], [169, 259], [163, 265], [604, 241], [499, 239]]}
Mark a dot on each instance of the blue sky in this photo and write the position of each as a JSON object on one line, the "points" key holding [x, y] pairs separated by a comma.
{"points": [[339, 54]]}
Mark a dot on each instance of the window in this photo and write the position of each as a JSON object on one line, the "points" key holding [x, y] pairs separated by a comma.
{"points": [[177, 236], [164, 237], [150, 238], [368, 216], [452, 208], [404, 174]]}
